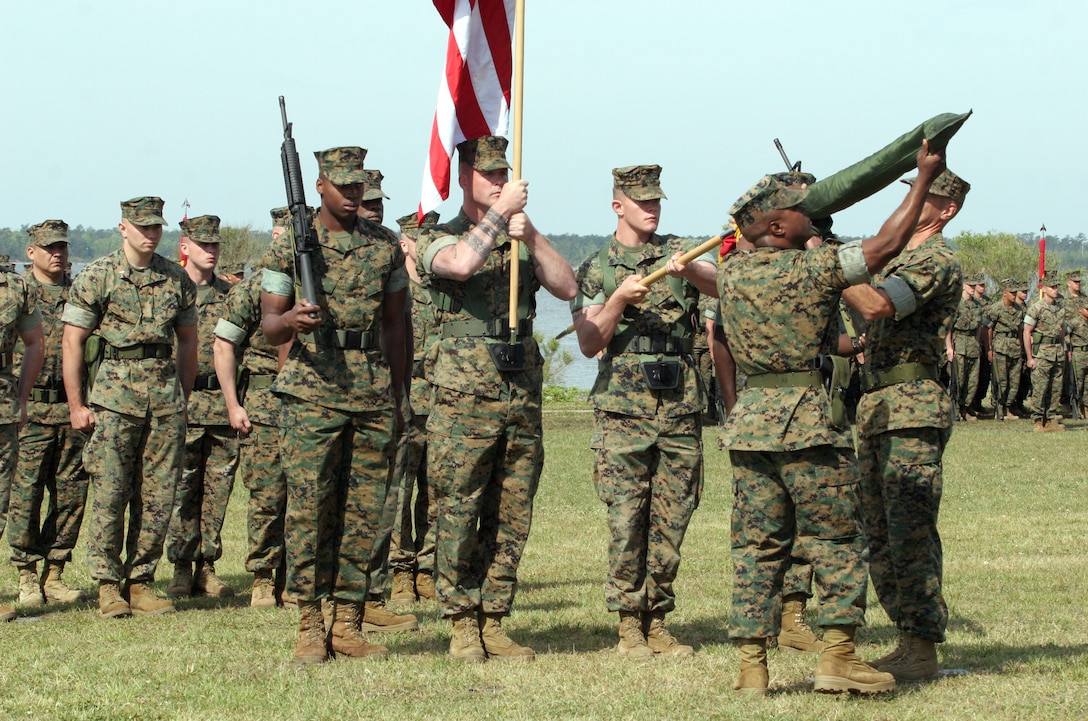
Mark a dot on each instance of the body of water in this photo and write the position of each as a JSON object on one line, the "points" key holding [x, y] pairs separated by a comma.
{"points": [[552, 318]]}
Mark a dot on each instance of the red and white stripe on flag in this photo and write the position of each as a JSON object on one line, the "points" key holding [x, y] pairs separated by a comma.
{"points": [[474, 95]]}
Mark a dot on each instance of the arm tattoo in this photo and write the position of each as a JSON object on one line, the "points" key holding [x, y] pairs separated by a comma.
{"points": [[482, 238]]}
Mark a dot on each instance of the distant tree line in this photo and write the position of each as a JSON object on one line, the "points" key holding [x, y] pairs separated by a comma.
{"points": [[998, 255]]}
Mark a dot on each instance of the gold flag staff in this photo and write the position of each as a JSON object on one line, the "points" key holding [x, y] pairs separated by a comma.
{"points": [[519, 77], [658, 274]]}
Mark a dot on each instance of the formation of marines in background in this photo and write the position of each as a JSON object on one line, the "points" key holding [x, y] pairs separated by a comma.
{"points": [[393, 422]]}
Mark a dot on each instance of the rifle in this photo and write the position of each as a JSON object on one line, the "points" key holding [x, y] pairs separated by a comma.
{"points": [[953, 390], [791, 167], [296, 202], [999, 408], [1074, 391]]}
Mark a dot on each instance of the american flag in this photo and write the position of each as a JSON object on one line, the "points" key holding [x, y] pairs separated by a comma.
{"points": [[474, 95]]}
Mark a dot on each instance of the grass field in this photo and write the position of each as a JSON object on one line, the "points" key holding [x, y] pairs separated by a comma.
{"points": [[1015, 527]]}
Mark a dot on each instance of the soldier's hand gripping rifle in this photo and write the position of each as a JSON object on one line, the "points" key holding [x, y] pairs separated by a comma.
{"points": [[296, 202]]}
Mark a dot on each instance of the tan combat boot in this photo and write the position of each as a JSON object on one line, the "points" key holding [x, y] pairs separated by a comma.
{"points": [[917, 662], [263, 594], [887, 659], [312, 644], [30, 589], [181, 584], [497, 645], [55, 589], [796, 635], [111, 604], [754, 676], [425, 586], [632, 638], [145, 602], [347, 638], [206, 583], [379, 619], [660, 641], [465, 644], [404, 587], [840, 669]]}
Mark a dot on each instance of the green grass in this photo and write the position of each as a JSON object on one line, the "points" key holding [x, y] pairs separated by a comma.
{"points": [[1014, 522]]}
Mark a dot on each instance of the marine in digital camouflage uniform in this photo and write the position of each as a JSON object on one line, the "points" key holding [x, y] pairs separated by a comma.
{"points": [[50, 450], [1004, 321], [372, 206], [20, 319], [137, 302], [211, 445], [412, 545], [254, 412], [341, 390], [963, 348], [904, 422], [1044, 346], [1076, 336], [485, 450], [794, 471], [648, 403]]}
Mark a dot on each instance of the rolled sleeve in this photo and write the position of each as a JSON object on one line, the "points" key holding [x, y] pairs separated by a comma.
{"points": [[277, 283], [854, 267], [581, 302], [29, 320], [432, 250], [901, 296], [228, 331], [398, 281], [81, 317]]}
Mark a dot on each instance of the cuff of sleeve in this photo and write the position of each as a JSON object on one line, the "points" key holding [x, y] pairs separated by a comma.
{"points": [[277, 283], [74, 315], [1028, 320], [852, 260], [901, 296], [432, 250], [398, 280], [228, 331], [581, 302], [30, 320]]}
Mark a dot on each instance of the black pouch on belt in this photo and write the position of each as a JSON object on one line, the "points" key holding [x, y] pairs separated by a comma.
{"points": [[507, 356], [661, 375]]}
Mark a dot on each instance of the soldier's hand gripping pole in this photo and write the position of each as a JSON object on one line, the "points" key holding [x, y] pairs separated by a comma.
{"points": [[660, 273], [296, 202]]}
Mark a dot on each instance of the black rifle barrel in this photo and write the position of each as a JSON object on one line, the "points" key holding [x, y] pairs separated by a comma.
{"points": [[296, 202]]}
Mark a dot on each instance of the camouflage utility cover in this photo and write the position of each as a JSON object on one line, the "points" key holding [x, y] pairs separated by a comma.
{"points": [[484, 154], [129, 307], [767, 195], [373, 182], [777, 306], [932, 274], [947, 185], [342, 166], [620, 386], [353, 272], [639, 182], [202, 229], [48, 232], [409, 224], [145, 210]]}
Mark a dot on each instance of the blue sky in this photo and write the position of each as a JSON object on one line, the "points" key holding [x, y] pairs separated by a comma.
{"points": [[105, 101]]}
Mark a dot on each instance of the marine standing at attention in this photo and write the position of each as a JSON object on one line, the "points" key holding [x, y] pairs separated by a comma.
{"points": [[648, 402], [138, 302], [341, 389], [485, 450], [50, 450]]}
